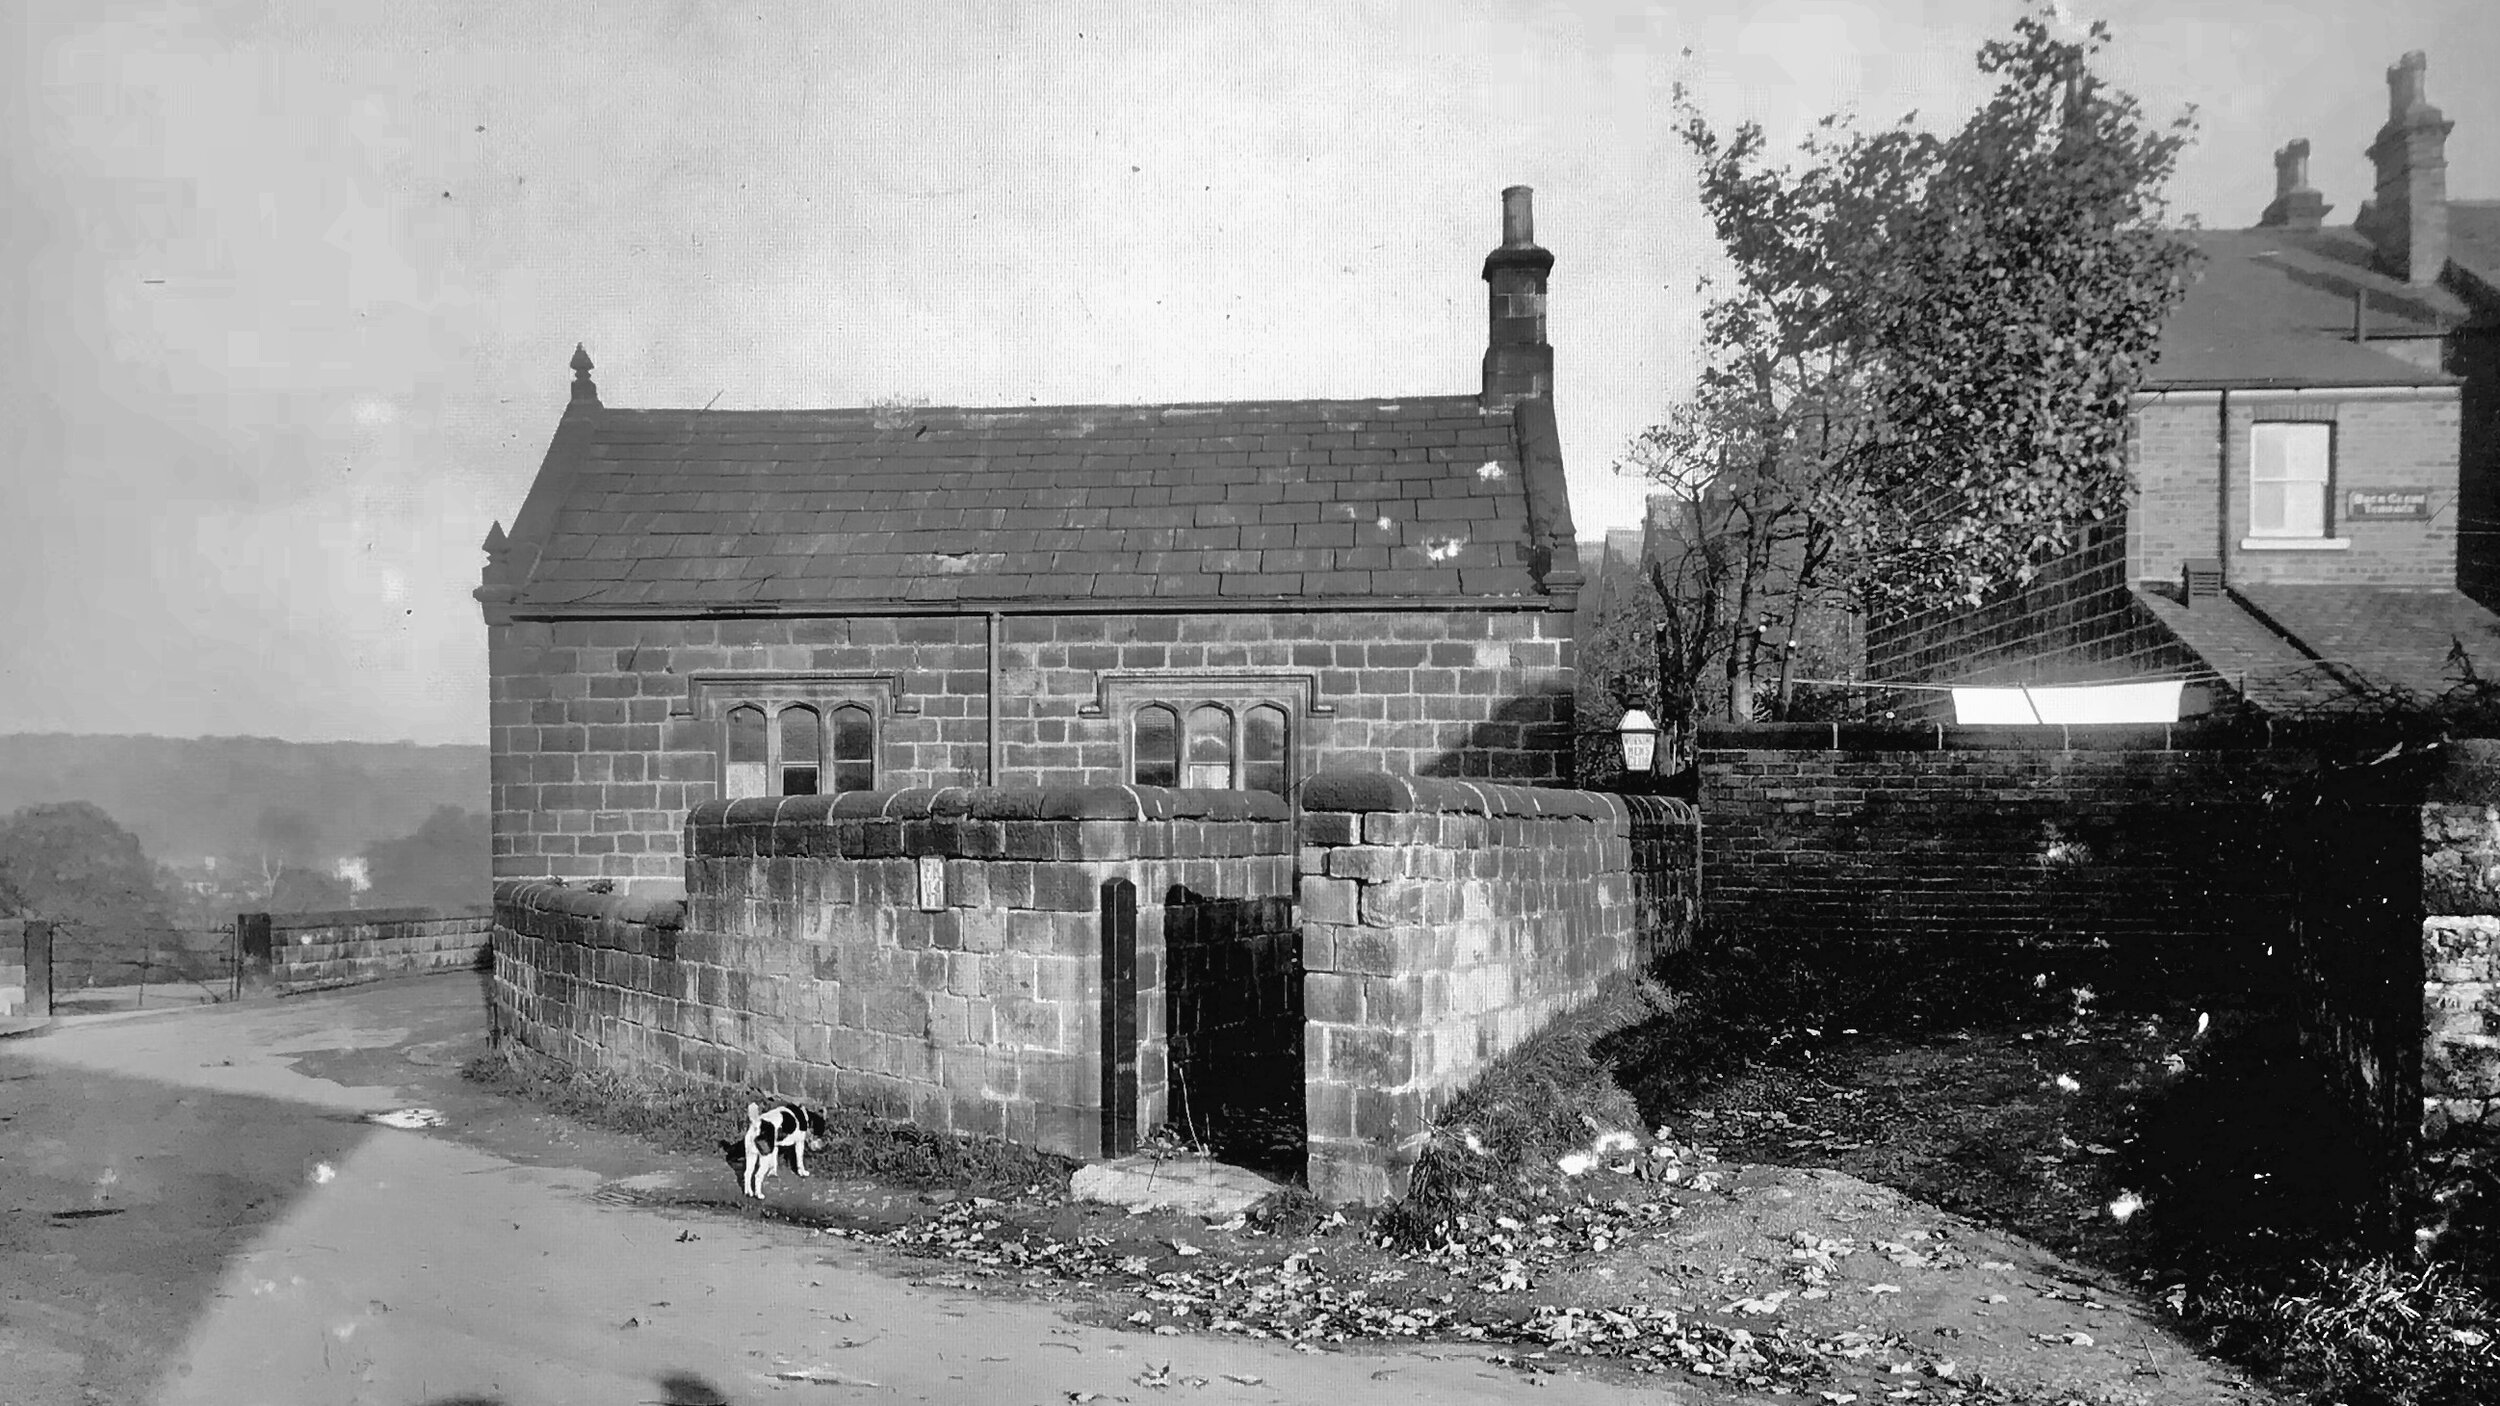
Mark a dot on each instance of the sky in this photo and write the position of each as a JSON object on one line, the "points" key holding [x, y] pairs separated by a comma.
{"points": [[301, 279]]}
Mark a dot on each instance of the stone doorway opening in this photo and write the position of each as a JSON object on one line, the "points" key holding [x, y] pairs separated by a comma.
{"points": [[1233, 1022]]}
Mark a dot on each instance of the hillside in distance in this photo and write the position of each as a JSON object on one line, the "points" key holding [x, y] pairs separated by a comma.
{"points": [[188, 797]]}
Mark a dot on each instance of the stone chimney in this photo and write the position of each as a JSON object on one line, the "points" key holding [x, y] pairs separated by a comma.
{"points": [[2296, 205], [1518, 365], [2407, 218]]}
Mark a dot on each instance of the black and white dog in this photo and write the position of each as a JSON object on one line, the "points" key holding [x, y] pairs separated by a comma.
{"points": [[769, 1130]]}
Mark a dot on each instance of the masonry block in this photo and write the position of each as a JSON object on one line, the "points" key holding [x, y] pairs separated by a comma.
{"points": [[1329, 900], [1369, 864]]}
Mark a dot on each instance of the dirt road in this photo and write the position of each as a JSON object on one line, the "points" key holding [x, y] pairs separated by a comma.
{"points": [[200, 1212]]}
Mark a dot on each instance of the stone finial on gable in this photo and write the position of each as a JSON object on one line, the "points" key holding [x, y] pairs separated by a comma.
{"points": [[495, 587], [585, 390]]}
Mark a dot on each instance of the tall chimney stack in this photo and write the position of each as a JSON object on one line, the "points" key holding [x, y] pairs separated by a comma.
{"points": [[2407, 218], [1518, 365], [2296, 205]]}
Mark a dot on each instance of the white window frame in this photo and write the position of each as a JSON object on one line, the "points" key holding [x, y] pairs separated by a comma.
{"points": [[2286, 436]]}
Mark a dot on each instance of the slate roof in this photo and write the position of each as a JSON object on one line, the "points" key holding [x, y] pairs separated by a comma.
{"points": [[2474, 241], [658, 510], [2273, 307], [2276, 308], [2308, 649], [2386, 636], [2266, 669]]}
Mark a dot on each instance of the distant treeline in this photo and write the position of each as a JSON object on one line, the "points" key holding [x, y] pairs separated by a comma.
{"points": [[238, 797]]}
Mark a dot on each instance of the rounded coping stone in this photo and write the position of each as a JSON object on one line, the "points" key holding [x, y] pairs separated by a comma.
{"points": [[1672, 810], [648, 910], [1112, 802]]}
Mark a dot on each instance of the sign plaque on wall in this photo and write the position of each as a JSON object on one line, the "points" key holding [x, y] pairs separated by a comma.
{"points": [[2388, 504], [932, 882]]}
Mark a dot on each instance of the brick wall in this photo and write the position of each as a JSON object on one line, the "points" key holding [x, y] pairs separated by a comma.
{"points": [[1666, 872], [2355, 842], [2135, 854], [597, 755], [2378, 444], [2176, 514], [2192, 466], [1442, 923], [2476, 357], [804, 963], [2078, 621], [346, 947]]}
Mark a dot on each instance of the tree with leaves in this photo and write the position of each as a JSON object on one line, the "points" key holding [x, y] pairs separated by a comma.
{"points": [[447, 862], [72, 862], [2036, 278], [1920, 363]]}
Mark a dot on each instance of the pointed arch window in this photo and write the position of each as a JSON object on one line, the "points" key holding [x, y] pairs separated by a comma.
{"points": [[1263, 752], [1155, 742], [854, 749], [802, 747], [777, 747], [1207, 748], [1236, 743], [747, 751]]}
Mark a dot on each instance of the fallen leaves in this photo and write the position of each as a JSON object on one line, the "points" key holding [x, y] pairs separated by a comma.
{"points": [[1477, 1276]]}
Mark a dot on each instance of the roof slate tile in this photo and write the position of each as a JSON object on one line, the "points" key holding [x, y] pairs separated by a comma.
{"points": [[1246, 500]]}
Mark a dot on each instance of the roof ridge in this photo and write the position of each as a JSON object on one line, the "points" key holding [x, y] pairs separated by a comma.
{"points": [[1383, 402]]}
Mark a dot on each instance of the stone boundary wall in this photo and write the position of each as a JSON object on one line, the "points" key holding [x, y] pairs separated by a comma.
{"points": [[2135, 853], [569, 965], [1443, 922], [809, 959], [2398, 943], [347, 947]]}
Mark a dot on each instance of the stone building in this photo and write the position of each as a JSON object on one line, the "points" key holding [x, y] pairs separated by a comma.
{"points": [[2317, 481], [695, 604]]}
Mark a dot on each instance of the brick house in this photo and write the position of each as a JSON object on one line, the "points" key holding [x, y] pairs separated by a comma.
{"points": [[695, 604], [2313, 445]]}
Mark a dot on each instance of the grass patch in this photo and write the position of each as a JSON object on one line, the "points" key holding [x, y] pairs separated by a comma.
{"points": [[1503, 1132], [683, 1115]]}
